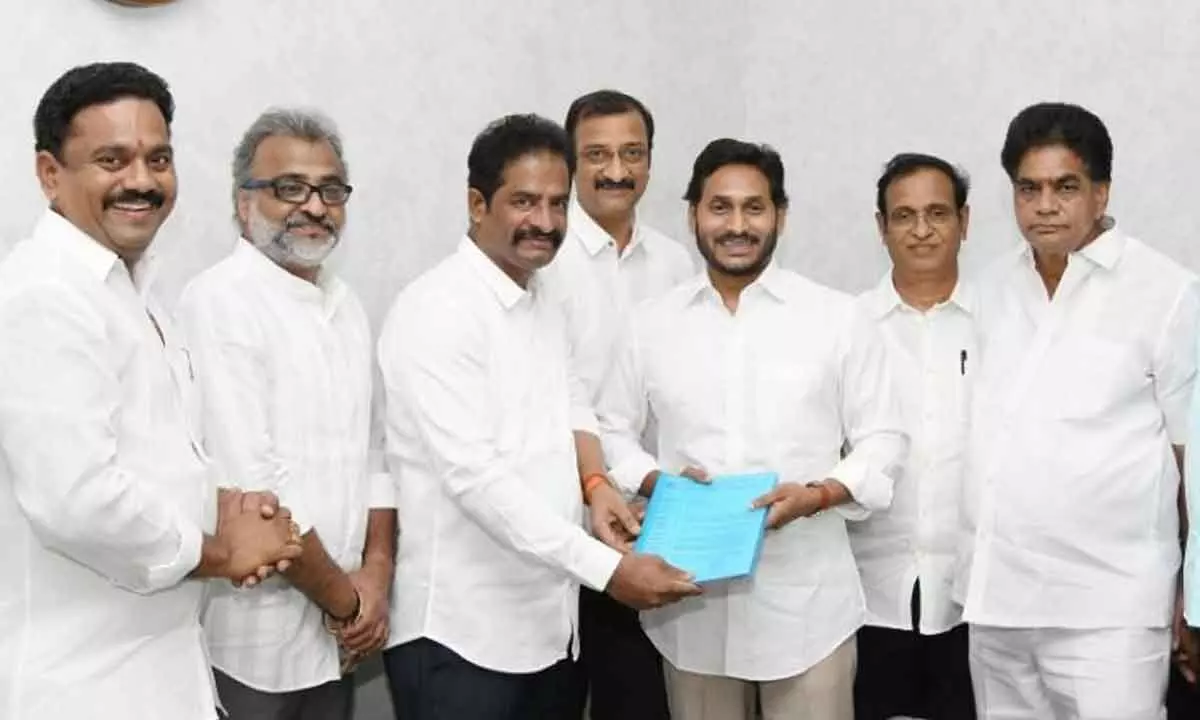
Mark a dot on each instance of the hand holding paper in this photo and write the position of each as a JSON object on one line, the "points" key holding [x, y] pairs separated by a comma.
{"points": [[708, 529]]}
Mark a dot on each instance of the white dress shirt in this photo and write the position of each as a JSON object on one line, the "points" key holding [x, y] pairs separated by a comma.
{"points": [[1070, 503], [480, 408], [779, 386], [597, 284], [104, 492], [285, 372], [931, 355]]}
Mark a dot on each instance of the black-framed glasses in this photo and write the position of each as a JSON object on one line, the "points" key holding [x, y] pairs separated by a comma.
{"points": [[297, 192]]}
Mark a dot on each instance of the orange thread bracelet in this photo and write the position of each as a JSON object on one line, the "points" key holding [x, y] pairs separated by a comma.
{"points": [[590, 483]]}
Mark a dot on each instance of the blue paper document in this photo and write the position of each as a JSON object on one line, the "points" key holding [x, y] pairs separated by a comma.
{"points": [[707, 530]]}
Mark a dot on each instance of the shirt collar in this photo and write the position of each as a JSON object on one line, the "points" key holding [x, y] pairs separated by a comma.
{"points": [[97, 259], [771, 281], [507, 292], [884, 298], [593, 237], [1105, 251], [328, 291]]}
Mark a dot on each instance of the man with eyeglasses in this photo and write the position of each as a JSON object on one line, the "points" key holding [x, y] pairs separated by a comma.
{"points": [[912, 652], [282, 351], [610, 261]]}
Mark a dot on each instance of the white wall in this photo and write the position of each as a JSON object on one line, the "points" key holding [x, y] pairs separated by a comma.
{"points": [[838, 87]]}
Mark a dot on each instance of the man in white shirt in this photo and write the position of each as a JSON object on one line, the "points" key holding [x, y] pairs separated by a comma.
{"points": [[912, 653], [748, 368], [282, 351], [488, 435], [107, 509], [609, 262], [1079, 412]]}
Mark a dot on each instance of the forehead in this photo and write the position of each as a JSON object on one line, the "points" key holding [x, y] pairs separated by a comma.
{"points": [[285, 155], [737, 182], [1050, 162], [127, 122], [540, 172], [615, 129], [924, 186]]}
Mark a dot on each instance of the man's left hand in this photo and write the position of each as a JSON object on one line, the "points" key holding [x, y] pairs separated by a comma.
{"points": [[368, 633], [1185, 644], [789, 501]]}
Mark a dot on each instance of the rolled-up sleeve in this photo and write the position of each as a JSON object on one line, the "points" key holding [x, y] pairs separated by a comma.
{"points": [[437, 373], [871, 421], [60, 402]]}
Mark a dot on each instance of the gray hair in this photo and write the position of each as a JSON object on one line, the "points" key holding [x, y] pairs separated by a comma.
{"points": [[283, 122]]}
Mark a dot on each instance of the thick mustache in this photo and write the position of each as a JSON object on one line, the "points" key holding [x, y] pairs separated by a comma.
{"points": [[606, 184], [554, 236], [305, 219], [154, 197]]}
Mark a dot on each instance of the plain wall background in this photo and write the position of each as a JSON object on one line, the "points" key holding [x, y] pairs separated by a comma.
{"points": [[837, 87]]}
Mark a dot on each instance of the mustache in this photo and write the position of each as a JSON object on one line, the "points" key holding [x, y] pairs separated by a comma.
{"points": [[731, 236], [304, 218], [606, 184], [153, 197], [554, 236]]}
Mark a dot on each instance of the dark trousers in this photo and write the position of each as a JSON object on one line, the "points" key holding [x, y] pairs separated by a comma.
{"points": [[1183, 700], [330, 701], [428, 681], [902, 672], [621, 667]]}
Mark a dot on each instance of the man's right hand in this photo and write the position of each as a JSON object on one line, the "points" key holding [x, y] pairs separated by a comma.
{"points": [[645, 582], [256, 536]]}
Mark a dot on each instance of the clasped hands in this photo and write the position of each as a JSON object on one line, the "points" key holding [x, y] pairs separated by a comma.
{"points": [[257, 536]]}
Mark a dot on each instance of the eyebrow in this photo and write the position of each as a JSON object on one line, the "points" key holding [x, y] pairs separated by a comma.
{"points": [[1053, 180]]}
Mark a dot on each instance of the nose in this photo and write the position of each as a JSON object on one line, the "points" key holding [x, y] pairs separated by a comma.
{"points": [[1047, 201], [541, 217], [922, 229], [138, 177], [737, 222], [314, 205]]}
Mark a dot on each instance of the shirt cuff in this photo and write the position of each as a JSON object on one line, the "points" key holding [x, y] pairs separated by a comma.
{"points": [[584, 420], [630, 473], [595, 562], [187, 558], [854, 473], [383, 491]]}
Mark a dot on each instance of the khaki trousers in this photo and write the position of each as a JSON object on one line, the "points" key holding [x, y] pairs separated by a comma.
{"points": [[823, 692]]}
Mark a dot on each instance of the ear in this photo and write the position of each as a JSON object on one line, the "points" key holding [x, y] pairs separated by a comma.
{"points": [[780, 221], [964, 219], [1100, 193], [691, 220], [477, 206], [242, 207], [49, 174], [881, 223]]}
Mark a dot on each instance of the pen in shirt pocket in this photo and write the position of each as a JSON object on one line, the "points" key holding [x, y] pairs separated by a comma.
{"points": [[962, 362]]}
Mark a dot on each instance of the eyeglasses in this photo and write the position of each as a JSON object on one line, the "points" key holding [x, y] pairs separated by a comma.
{"points": [[936, 216], [297, 192]]}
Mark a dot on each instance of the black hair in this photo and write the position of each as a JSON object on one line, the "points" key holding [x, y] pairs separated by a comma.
{"points": [[507, 139], [88, 85], [727, 151], [607, 102], [906, 164], [1071, 126]]}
